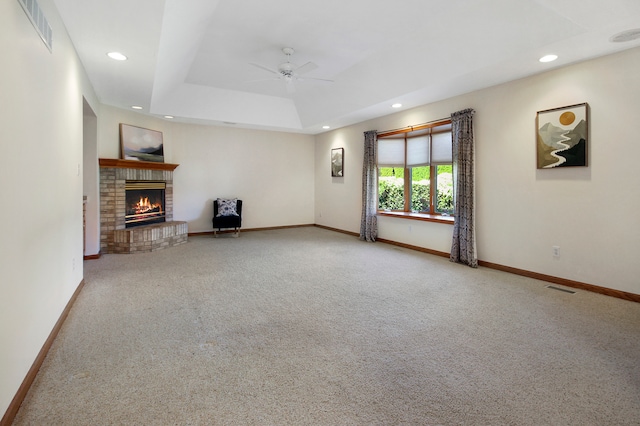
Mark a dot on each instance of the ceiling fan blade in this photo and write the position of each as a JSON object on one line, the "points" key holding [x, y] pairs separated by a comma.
{"points": [[316, 79], [263, 79], [308, 67], [265, 68], [291, 88], [289, 73]]}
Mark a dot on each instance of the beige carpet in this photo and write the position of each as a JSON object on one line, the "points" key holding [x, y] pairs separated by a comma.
{"points": [[311, 327]]}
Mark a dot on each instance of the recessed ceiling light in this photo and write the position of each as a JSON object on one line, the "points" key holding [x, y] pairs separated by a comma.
{"points": [[168, 116], [136, 107], [396, 105], [627, 35], [117, 56], [548, 58], [231, 123], [326, 127]]}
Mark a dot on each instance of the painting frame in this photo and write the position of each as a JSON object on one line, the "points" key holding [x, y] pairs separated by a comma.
{"points": [[562, 137], [140, 144], [337, 162]]}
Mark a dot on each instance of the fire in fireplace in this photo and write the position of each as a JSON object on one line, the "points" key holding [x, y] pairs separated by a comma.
{"points": [[144, 203]]}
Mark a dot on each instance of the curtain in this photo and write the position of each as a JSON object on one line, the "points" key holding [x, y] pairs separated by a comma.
{"points": [[463, 247], [369, 221]]}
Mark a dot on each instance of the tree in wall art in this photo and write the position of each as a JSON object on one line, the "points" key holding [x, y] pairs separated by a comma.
{"points": [[141, 144], [337, 159], [562, 136]]}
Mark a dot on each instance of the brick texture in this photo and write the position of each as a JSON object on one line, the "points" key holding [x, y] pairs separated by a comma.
{"points": [[114, 237]]}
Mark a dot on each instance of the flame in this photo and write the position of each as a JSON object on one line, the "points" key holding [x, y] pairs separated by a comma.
{"points": [[144, 205]]}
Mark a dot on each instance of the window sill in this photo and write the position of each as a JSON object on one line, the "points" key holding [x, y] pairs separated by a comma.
{"points": [[419, 216]]}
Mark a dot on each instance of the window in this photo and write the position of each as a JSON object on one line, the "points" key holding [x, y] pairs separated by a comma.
{"points": [[415, 171]]}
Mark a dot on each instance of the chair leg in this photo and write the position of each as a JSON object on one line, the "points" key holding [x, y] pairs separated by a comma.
{"points": [[215, 233]]}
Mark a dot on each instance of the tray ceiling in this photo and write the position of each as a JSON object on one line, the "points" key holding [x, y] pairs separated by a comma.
{"points": [[193, 59]]}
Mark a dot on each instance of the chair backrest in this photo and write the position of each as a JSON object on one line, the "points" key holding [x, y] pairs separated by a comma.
{"points": [[238, 207]]}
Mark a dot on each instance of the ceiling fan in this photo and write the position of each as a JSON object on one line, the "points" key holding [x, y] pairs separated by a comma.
{"points": [[289, 72]]}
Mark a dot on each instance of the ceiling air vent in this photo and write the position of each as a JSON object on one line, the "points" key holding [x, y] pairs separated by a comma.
{"points": [[624, 36], [39, 21]]}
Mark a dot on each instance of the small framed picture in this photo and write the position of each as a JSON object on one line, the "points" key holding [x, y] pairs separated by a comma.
{"points": [[337, 162], [140, 144], [562, 136]]}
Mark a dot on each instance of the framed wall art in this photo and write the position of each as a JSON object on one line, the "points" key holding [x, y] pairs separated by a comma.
{"points": [[562, 136], [337, 162], [140, 144]]}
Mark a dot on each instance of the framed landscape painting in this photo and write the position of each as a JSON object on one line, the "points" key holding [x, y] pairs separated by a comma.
{"points": [[562, 136], [140, 144], [337, 162]]}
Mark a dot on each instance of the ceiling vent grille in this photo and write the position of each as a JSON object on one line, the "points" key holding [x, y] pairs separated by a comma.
{"points": [[626, 36], [39, 21]]}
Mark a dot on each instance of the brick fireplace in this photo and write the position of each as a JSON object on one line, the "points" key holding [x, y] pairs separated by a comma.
{"points": [[115, 236]]}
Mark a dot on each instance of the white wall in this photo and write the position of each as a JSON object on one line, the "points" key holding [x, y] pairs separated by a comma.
{"points": [[41, 182], [272, 172], [109, 121], [338, 199], [591, 213], [91, 184]]}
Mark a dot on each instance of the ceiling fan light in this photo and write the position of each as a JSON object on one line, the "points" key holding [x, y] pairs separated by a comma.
{"points": [[286, 67]]}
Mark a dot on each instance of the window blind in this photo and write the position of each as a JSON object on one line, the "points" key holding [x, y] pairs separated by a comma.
{"points": [[441, 148], [418, 151], [390, 152]]}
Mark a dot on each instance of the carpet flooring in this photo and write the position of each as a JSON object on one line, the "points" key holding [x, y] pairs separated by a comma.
{"points": [[311, 327]]}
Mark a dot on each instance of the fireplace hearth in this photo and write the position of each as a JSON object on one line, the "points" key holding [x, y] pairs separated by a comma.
{"points": [[159, 230], [145, 203]]}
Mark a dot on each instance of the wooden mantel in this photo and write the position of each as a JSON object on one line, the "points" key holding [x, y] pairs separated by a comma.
{"points": [[133, 164]]}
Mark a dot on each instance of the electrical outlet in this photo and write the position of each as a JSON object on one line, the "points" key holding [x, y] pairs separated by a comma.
{"points": [[409, 228], [73, 264], [556, 251]]}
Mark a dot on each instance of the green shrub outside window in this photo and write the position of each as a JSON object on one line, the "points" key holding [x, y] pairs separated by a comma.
{"points": [[391, 190]]}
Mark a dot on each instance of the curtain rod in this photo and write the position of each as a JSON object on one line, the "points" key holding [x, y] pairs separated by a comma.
{"points": [[408, 129]]}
